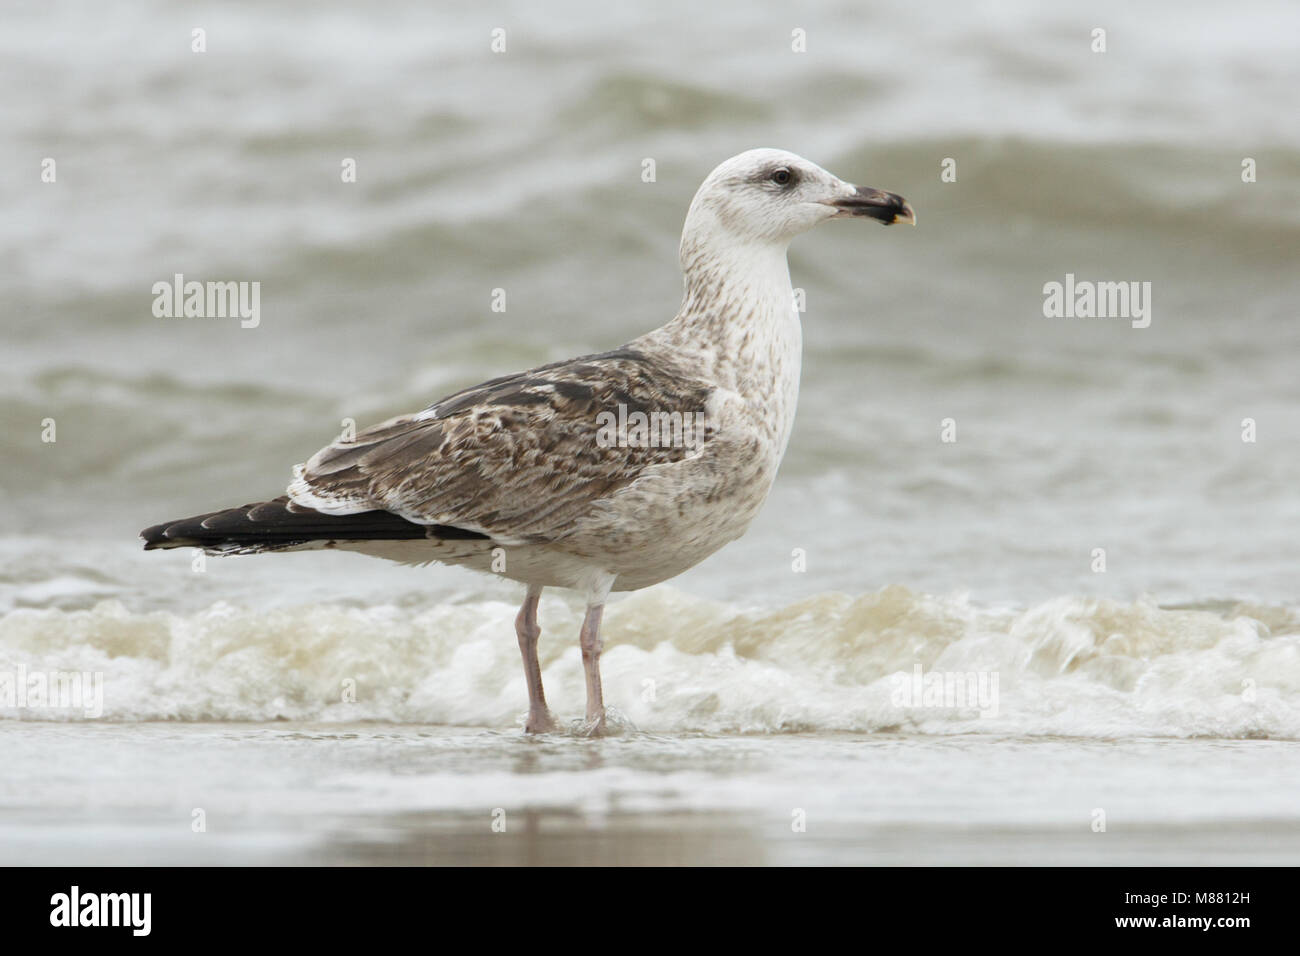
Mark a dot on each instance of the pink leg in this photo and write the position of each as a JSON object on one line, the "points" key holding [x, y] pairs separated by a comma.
{"points": [[528, 631], [591, 647]]}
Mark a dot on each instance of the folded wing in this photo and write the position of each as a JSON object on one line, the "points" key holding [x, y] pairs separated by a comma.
{"points": [[517, 458]]}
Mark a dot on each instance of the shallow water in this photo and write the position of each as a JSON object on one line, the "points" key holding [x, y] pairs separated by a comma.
{"points": [[523, 171], [364, 794]]}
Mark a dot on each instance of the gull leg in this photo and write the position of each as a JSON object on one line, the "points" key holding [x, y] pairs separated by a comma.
{"points": [[591, 643], [528, 631]]}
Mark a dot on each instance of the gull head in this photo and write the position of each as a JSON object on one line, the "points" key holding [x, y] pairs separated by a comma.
{"points": [[770, 196]]}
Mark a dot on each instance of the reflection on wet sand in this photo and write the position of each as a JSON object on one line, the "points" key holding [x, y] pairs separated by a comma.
{"points": [[547, 838]]}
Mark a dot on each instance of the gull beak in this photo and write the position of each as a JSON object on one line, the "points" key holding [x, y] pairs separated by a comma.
{"points": [[888, 208]]}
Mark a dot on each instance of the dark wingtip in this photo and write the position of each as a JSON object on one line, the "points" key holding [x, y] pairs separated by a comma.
{"points": [[278, 524], [156, 537], [178, 533], [152, 536]]}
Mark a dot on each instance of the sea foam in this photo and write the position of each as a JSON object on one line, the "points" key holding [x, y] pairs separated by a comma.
{"points": [[680, 664]]}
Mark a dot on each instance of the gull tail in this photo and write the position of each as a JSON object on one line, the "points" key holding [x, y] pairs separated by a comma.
{"points": [[280, 525]]}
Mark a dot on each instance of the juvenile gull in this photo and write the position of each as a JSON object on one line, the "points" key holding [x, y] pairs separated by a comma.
{"points": [[524, 475]]}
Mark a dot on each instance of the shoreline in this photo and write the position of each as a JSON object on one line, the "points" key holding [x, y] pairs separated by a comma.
{"points": [[373, 794]]}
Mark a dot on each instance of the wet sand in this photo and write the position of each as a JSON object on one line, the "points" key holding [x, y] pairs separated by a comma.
{"points": [[279, 794]]}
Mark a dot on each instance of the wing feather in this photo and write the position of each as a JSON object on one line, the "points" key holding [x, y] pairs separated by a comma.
{"points": [[517, 458]]}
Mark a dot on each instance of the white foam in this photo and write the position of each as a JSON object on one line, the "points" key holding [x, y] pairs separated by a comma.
{"points": [[676, 663]]}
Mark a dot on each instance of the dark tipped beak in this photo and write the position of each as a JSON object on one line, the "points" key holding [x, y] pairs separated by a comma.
{"points": [[888, 208]]}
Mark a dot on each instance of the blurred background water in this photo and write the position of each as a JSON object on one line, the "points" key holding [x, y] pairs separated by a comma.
{"points": [[521, 170]]}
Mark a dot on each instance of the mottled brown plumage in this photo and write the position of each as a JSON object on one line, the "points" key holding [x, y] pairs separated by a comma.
{"points": [[514, 458]]}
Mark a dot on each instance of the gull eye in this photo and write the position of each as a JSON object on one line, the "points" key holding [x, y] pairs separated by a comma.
{"points": [[782, 177]]}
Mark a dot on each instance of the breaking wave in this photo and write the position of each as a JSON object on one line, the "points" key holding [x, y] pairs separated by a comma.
{"points": [[680, 664]]}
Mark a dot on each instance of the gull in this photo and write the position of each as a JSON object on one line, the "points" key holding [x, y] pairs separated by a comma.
{"points": [[608, 472]]}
